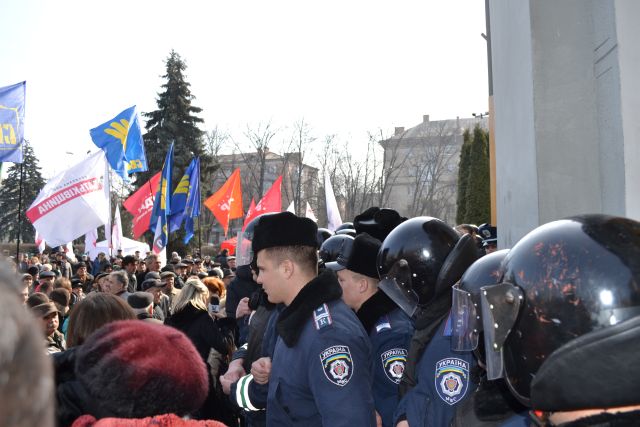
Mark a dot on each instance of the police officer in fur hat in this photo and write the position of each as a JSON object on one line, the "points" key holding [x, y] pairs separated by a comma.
{"points": [[389, 328], [322, 354]]}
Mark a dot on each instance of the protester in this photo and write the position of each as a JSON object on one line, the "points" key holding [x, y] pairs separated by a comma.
{"points": [[26, 378], [190, 315], [47, 313], [142, 305], [161, 303]]}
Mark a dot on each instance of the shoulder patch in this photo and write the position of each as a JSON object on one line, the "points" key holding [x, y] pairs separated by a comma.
{"points": [[337, 364], [452, 379], [322, 317], [393, 362], [382, 324]]}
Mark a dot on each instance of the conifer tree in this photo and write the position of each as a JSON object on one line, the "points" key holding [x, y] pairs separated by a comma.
{"points": [[32, 183], [463, 177], [176, 121], [478, 207]]}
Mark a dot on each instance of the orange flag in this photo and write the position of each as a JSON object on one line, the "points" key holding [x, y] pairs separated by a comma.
{"points": [[226, 203]]}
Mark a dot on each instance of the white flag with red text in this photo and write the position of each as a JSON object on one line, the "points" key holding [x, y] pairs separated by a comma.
{"points": [[73, 202]]}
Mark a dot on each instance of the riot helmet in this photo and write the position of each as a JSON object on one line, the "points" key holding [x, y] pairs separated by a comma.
{"points": [[412, 257], [563, 280], [466, 320], [346, 232], [322, 235], [344, 226], [244, 252], [331, 247]]}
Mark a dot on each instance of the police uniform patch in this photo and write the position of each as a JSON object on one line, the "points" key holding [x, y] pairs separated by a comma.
{"points": [[393, 362], [337, 364], [322, 317], [452, 379], [383, 324]]}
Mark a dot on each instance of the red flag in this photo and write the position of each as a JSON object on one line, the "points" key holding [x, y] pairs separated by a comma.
{"points": [[140, 205], [252, 207], [271, 202], [226, 203]]}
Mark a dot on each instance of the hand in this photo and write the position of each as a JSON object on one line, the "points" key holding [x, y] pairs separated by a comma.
{"points": [[260, 369], [243, 308], [234, 373], [403, 423]]}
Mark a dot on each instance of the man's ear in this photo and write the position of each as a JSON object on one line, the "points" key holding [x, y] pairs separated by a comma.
{"points": [[363, 284], [287, 268]]}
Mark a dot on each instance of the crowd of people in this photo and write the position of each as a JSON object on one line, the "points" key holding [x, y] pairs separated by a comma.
{"points": [[387, 321]]}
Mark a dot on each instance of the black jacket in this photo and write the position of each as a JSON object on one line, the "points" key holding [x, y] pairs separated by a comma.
{"points": [[201, 329], [240, 287]]}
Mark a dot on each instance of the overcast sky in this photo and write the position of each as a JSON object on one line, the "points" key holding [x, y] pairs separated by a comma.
{"points": [[346, 67]]}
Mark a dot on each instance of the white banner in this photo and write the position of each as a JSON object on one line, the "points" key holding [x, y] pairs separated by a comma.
{"points": [[291, 208], [333, 214], [73, 202], [309, 213], [90, 241], [116, 234]]}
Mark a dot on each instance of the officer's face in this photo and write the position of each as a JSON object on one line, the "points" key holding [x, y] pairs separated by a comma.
{"points": [[350, 285], [270, 278]]}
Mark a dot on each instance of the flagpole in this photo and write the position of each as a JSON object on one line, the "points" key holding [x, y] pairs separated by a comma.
{"points": [[19, 212], [199, 231], [107, 227]]}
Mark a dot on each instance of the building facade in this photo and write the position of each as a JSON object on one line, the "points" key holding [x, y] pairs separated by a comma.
{"points": [[421, 167]]}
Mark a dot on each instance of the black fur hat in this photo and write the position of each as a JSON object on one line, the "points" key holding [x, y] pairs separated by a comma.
{"points": [[377, 222], [283, 229], [359, 256]]}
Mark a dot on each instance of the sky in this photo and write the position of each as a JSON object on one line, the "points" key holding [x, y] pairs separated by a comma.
{"points": [[345, 67]]}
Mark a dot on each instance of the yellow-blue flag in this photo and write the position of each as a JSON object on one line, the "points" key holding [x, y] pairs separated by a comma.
{"points": [[12, 122], [121, 140], [162, 206]]}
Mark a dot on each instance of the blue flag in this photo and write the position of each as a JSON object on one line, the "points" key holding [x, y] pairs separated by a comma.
{"points": [[192, 209], [185, 203], [162, 206], [12, 122], [121, 140]]}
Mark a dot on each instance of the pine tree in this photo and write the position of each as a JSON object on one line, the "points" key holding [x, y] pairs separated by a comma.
{"points": [[175, 120], [463, 177], [478, 208], [32, 183]]}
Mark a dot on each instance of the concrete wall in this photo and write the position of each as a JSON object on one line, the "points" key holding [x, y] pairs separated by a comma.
{"points": [[566, 95]]}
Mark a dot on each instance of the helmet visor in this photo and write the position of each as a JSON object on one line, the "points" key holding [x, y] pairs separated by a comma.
{"points": [[244, 252], [465, 321], [400, 293], [500, 307]]}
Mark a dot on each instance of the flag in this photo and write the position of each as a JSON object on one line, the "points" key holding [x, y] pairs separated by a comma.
{"points": [[226, 203], [185, 202], [91, 240], [121, 139], [162, 206], [270, 202], [72, 202], [309, 213], [140, 205], [68, 252], [333, 214], [40, 243], [292, 207], [252, 207], [116, 233], [12, 122], [192, 210]]}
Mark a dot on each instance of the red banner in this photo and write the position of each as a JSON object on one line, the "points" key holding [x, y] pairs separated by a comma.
{"points": [[271, 202], [140, 205]]}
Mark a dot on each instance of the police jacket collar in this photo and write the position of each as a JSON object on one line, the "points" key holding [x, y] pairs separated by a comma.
{"points": [[374, 308], [292, 320]]}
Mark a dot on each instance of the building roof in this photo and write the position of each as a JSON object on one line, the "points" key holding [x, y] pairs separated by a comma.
{"points": [[430, 128]]}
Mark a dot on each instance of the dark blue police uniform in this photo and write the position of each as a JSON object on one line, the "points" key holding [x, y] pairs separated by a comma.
{"points": [[390, 331], [320, 372], [443, 381]]}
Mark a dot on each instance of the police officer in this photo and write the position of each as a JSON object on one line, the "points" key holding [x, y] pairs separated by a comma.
{"points": [[419, 262], [389, 328], [562, 327], [489, 235], [492, 404], [322, 353]]}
